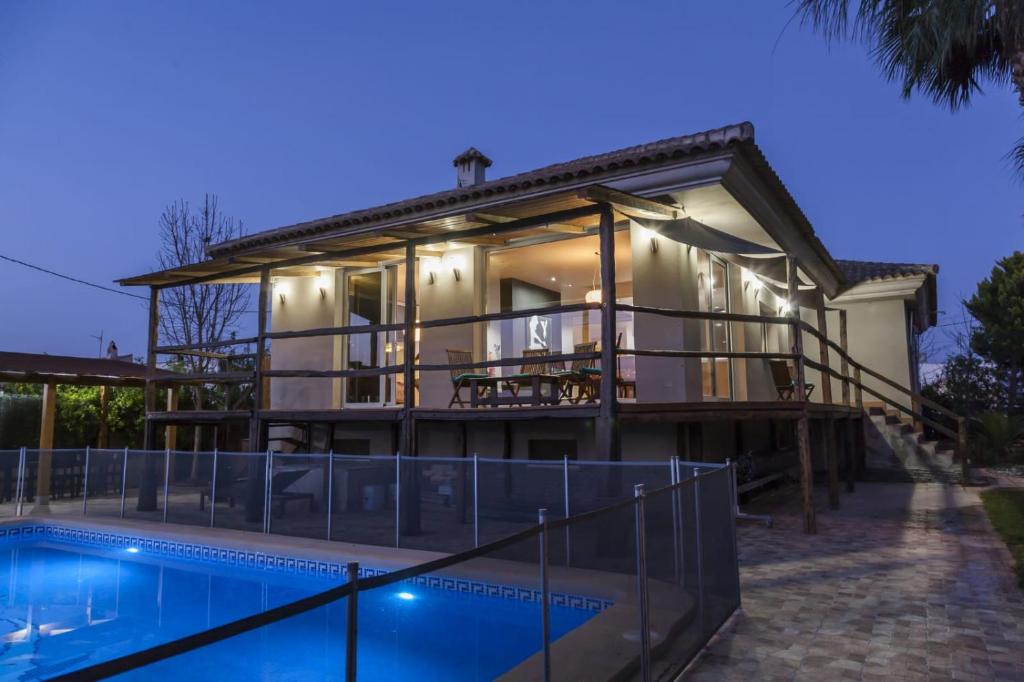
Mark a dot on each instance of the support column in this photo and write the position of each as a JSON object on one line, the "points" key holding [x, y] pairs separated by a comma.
{"points": [[258, 389], [803, 436], [829, 447], [103, 439], [844, 364], [149, 394], [850, 456], [49, 412], [409, 358], [826, 376], [608, 445], [171, 430]]}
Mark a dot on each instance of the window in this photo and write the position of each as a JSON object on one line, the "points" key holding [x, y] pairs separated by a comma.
{"points": [[713, 296]]}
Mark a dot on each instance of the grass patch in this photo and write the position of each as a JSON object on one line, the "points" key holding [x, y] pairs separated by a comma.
{"points": [[1005, 509]]}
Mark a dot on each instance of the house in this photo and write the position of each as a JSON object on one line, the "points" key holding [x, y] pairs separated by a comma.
{"points": [[679, 279]]}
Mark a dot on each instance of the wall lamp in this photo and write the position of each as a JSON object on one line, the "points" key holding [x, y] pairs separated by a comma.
{"points": [[430, 266], [751, 280], [653, 236], [283, 289], [457, 263], [322, 280]]}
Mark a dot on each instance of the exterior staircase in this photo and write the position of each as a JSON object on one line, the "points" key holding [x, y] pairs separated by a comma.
{"points": [[894, 451]]}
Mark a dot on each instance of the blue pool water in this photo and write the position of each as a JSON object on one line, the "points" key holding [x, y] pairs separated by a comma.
{"points": [[64, 607]]}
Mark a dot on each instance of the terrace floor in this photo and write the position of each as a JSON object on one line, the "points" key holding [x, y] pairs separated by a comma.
{"points": [[904, 582]]}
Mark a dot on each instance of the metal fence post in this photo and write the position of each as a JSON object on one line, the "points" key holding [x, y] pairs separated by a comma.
{"points": [[213, 490], [398, 497], [351, 624], [732, 525], [565, 491], [167, 478], [677, 544], [476, 500], [20, 487], [267, 495], [545, 617], [641, 582], [330, 490], [85, 483], [700, 552], [124, 479]]}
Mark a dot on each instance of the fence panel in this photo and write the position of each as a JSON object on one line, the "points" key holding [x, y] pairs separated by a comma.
{"points": [[593, 485], [188, 489], [718, 548], [144, 485], [436, 504], [363, 494], [299, 486], [239, 498], [511, 491], [10, 467], [106, 470]]}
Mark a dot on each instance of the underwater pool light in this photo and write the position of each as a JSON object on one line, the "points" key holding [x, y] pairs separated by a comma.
{"points": [[132, 550], [406, 596]]}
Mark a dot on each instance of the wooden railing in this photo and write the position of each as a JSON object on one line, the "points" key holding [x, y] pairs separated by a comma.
{"points": [[954, 428]]}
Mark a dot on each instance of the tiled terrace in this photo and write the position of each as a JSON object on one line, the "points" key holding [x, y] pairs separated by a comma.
{"points": [[904, 582]]}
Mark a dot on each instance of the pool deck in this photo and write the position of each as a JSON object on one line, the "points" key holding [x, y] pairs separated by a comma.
{"points": [[905, 582]]}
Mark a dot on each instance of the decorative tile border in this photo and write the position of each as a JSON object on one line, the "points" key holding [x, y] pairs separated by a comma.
{"points": [[196, 552]]}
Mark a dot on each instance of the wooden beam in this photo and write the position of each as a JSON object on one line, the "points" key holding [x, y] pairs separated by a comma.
{"points": [[171, 431], [493, 219], [409, 357], [826, 378], [803, 439], [631, 202], [828, 447], [844, 363], [149, 392], [258, 388], [803, 436], [608, 434], [46, 423]]}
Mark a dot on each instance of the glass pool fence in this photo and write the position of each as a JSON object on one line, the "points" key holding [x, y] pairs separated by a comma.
{"points": [[442, 504], [633, 587]]}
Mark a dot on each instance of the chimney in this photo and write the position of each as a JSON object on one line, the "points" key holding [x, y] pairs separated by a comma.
{"points": [[470, 167]]}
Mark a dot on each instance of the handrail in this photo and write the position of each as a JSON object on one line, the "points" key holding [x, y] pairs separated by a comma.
{"points": [[745, 355], [508, 315], [705, 315], [506, 362], [351, 329], [880, 377]]}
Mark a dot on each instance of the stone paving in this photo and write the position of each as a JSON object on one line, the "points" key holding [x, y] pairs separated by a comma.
{"points": [[904, 582]]}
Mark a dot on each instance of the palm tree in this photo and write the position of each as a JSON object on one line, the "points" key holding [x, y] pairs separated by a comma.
{"points": [[945, 49]]}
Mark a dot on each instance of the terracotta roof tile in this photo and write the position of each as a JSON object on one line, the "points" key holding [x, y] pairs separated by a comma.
{"points": [[857, 271]]}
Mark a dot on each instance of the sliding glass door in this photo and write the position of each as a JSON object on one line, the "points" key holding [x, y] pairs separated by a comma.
{"points": [[713, 291], [364, 306]]}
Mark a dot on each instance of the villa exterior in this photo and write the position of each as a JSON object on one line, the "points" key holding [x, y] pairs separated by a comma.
{"points": [[634, 304]]}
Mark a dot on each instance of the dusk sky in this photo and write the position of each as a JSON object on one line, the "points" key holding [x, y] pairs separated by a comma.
{"points": [[293, 111]]}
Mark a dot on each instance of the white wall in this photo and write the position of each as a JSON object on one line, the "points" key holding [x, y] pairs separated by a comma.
{"points": [[879, 339], [302, 308]]}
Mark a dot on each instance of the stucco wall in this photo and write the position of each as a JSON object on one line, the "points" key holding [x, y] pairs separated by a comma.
{"points": [[878, 338], [302, 308]]}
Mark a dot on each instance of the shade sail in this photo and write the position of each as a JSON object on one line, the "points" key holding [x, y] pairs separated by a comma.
{"points": [[694, 233]]}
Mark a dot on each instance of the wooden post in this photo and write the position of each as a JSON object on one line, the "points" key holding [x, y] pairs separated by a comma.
{"points": [[171, 430], [803, 436], [608, 432], [830, 449], [258, 389], [803, 440], [850, 457], [961, 449], [49, 411], [409, 357], [844, 364], [149, 394], [826, 376], [103, 439]]}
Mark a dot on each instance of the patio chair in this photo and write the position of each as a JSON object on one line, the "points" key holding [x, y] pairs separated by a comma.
{"points": [[785, 386], [462, 377], [574, 376], [527, 371]]}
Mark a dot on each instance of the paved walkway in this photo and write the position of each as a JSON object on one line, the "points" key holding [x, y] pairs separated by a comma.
{"points": [[904, 582]]}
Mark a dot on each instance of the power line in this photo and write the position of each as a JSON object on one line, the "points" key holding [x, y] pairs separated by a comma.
{"points": [[72, 279]]}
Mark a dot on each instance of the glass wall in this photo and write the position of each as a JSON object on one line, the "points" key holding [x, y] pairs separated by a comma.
{"points": [[552, 273], [713, 296]]}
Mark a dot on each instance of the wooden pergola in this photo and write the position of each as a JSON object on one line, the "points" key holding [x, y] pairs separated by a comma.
{"points": [[53, 370]]}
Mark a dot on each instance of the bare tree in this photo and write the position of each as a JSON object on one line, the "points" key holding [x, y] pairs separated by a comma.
{"points": [[197, 313]]}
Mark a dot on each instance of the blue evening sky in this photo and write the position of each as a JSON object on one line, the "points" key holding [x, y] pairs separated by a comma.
{"points": [[292, 111]]}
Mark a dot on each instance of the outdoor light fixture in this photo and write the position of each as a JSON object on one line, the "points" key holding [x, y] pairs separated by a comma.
{"points": [[132, 550], [322, 280], [282, 287], [457, 262], [751, 280], [430, 265], [653, 236]]}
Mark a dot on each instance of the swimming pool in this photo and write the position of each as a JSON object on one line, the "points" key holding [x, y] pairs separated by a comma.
{"points": [[67, 605]]}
